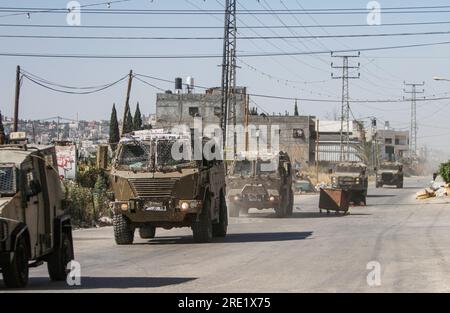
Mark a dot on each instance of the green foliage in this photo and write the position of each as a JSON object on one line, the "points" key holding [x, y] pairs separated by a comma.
{"points": [[128, 122], [81, 206], [444, 171], [114, 132], [88, 177], [137, 120]]}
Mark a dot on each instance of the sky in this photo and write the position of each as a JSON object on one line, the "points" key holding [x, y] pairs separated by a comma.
{"points": [[309, 76]]}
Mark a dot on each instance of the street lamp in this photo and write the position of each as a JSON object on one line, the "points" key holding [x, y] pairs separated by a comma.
{"points": [[441, 79]]}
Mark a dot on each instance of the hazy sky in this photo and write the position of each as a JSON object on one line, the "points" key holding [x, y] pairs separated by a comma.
{"points": [[382, 72]]}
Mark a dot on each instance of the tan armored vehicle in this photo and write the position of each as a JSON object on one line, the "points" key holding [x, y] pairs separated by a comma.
{"points": [[33, 225], [390, 173], [261, 183], [152, 189], [352, 176]]}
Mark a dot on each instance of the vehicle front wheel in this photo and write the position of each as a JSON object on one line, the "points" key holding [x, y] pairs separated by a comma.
{"points": [[147, 232], [220, 229], [15, 273], [123, 230], [202, 227], [58, 260]]}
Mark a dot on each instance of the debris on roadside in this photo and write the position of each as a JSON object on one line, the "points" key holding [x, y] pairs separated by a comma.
{"points": [[438, 188]]}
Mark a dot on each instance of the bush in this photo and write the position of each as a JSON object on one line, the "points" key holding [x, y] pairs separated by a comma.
{"points": [[444, 171], [88, 178]]}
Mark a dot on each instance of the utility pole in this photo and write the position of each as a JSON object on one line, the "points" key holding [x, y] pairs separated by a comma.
{"points": [[229, 72], [345, 107], [374, 143], [414, 128], [127, 100], [16, 100], [317, 150]]}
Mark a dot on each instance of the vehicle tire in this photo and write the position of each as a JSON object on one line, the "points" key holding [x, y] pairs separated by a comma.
{"points": [[290, 209], [123, 230], [282, 209], [58, 260], [234, 211], [147, 232], [202, 227], [220, 229], [400, 186], [15, 274]]}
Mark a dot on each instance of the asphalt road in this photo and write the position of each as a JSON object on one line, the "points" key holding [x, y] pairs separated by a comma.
{"points": [[309, 252]]}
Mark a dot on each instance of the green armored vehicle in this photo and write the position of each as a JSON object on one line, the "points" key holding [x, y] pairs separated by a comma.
{"points": [[261, 182], [352, 176], [389, 173], [34, 227], [154, 189]]}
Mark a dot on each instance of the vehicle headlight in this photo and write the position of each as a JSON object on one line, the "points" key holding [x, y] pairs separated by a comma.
{"points": [[272, 198], [185, 206], [124, 206], [236, 198], [357, 180]]}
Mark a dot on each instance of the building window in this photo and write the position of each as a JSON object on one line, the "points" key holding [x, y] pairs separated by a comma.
{"points": [[194, 112], [388, 141], [298, 133]]}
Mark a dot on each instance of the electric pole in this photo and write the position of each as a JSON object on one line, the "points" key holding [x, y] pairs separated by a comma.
{"points": [[229, 72], [414, 128], [345, 107], [127, 101], [16, 100]]}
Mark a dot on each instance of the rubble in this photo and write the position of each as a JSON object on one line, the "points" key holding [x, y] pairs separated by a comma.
{"points": [[438, 188]]}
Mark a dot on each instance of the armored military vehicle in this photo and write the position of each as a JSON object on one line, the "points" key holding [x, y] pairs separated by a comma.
{"points": [[391, 174], [153, 188], [260, 182], [352, 176], [34, 227]]}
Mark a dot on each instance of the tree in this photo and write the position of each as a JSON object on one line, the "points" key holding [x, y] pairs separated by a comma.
{"points": [[2, 130], [114, 132], [128, 122], [296, 109], [137, 120]]}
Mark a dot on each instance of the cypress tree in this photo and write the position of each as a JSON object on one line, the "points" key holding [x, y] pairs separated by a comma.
{"points": [[2, 130], [137, 120], [128, 127], [114, 132], [296, 109]]}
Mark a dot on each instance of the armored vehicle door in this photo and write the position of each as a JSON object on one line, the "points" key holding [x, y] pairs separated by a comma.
{"points": [[37, 211]]}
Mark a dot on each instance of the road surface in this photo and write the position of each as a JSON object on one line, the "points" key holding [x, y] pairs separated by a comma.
{"points": [[309, 252]]}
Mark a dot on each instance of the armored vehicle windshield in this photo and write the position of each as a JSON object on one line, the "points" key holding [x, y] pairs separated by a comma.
{"points": [[135, 156], [390, 167], [7, 180], [349, 169]]}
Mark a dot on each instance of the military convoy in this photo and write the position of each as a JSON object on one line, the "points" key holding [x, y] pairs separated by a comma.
{"points": [[352, 177], [34, 227], [152, 189], [389, 173], [260, 182]]}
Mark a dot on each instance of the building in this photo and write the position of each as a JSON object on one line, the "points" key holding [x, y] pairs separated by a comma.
{"points": [[393, 144], [296, 132], [329, 145], [297, 135]]}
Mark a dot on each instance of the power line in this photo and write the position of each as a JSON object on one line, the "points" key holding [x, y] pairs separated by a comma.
{"points": [[53, 88], [221, 38], [213, 56], [221, 27], [29, 11]]}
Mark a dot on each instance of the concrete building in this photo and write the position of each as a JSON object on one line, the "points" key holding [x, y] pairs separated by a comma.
{"points": [[394, 144], [330, 141], [295, 132], [296, 135]]}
